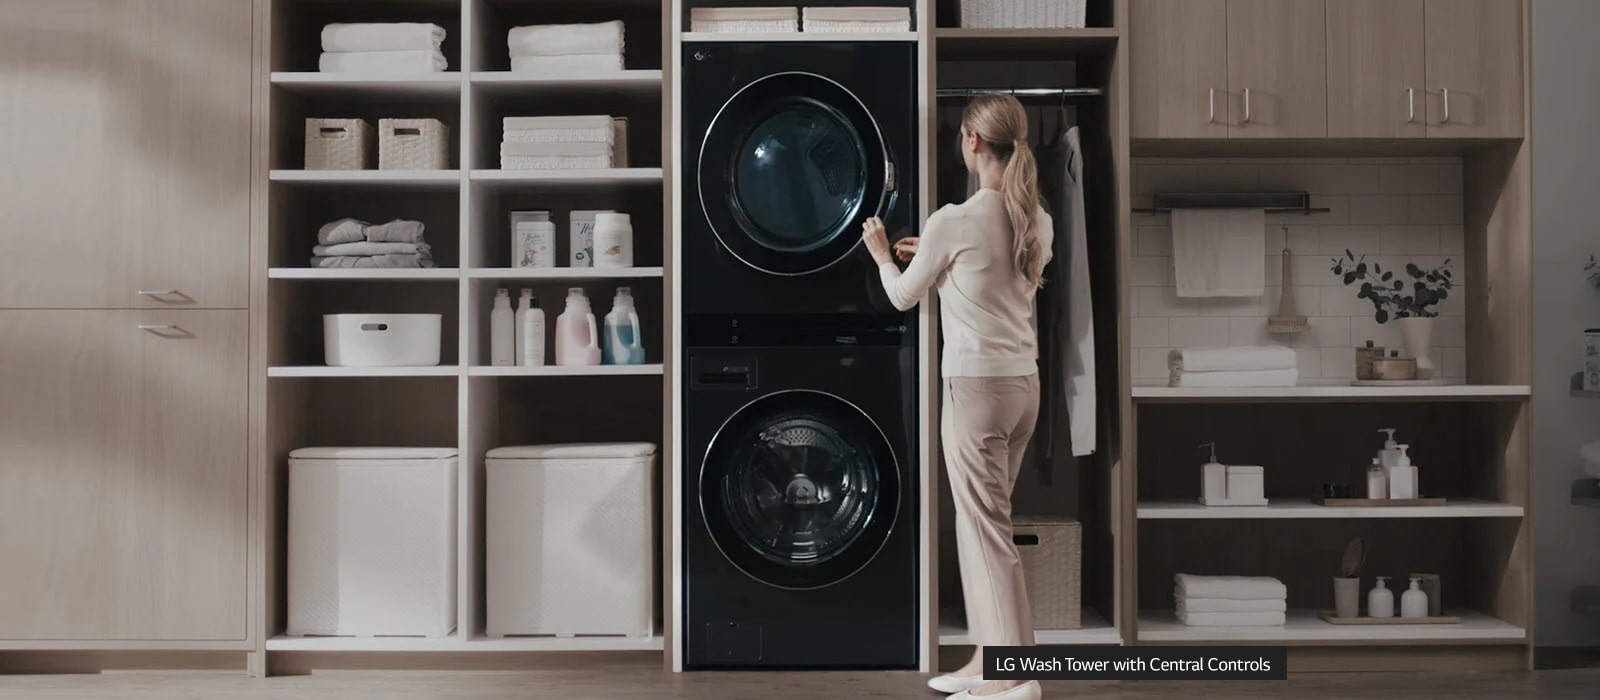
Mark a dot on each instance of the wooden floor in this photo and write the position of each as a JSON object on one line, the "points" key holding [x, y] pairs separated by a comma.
{"points": [[640, 684]]}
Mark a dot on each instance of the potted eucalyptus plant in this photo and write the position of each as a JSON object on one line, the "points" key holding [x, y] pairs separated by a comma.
{"points": [[1410, 297]]}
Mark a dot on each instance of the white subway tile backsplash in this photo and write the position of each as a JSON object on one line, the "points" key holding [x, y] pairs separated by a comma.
{"points": [[1342, 301], [1152, 240], [1227, 177], [1379, 209], [1452, 240], [1150, 333], [1307, 301], [1153, 363], [1450, 181], [1309, 361], [1439, 209], [1451, 361], [1409, 178], [1450, 332], [1226, 306], [1410, 240], [1336, 240], [1250, 330], [1314, 271], [1339, 363], [1302, 239], [1151, 179], [1329, 332], [1197, 332], [1150, 271], [1365, 328]]}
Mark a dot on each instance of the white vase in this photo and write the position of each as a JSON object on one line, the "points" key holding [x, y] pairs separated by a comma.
{"points": [[1417, 334]]}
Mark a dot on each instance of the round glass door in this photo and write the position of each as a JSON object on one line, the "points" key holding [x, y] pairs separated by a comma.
{"points": [[790, 168], [799, 489]]}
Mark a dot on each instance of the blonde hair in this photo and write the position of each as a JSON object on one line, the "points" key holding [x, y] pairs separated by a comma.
{"points": [[1000, 122]]}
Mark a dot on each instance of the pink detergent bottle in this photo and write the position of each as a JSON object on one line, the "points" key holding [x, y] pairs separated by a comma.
{"points": [[577, 338]]}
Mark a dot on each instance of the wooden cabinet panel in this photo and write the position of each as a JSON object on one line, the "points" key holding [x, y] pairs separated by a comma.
{"points": [[1277, 69], [1474, 50], [123, 485], [1376, 69], [1179, 77], [126, 139]]}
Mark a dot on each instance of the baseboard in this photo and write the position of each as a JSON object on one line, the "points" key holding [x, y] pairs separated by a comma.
{"points": [[1555, 658], [53, 662]]}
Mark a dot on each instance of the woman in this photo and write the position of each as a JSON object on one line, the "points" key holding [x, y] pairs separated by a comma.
{"points": [[986, 256]]}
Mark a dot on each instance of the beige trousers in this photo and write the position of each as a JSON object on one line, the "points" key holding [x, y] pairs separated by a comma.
{"points": [[986, 426]]}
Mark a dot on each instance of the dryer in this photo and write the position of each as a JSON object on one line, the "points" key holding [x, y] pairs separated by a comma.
{"points": [[788, 147]]}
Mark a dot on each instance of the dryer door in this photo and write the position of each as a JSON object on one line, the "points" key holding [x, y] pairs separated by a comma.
{"points": [[790, 167], [799, 489]]}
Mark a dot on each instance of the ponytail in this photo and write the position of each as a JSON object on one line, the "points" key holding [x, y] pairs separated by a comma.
{"points": [[1020, 187]]}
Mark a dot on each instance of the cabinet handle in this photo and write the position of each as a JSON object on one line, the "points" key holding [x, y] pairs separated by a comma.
{"points": [[1211, 106], [1246, 106], [1446, 119], [157, 327], [157, 292], [1411, 105]]}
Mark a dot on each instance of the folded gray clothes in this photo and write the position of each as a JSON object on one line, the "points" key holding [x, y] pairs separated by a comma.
{"points": [[512, 150], [397, 231], [372, 261], [371, 248], [342, 231]]}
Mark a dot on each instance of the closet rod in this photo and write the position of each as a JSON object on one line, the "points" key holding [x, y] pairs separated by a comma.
{"points": [[1023, 92]]}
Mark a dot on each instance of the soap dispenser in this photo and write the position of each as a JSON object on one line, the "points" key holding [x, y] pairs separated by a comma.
{"points": [[1380, 602], [1415, 602], [1403, 475], [1389, 454], [1213, 480], [502, 338]]}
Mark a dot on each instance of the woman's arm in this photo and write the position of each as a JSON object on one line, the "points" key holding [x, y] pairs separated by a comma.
{"points": [[933, 255]]}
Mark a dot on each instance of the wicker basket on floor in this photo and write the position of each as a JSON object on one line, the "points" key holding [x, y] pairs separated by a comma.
{"points": [[338, 144], [413, 144], [1052, 561], [1017, 14]]}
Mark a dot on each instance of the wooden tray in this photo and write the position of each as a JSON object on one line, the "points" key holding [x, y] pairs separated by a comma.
{"points": [[1375, 502], [1329, 617]]}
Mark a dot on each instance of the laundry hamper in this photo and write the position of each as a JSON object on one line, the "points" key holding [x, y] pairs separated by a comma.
{"points": [[372, 541], [1052, 560], [338, 144], [570, 540], [1054, 14], [413, 144]]}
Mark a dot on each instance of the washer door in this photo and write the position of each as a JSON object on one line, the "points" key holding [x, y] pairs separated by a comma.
{"points": [[790, 168], [799, 489]]}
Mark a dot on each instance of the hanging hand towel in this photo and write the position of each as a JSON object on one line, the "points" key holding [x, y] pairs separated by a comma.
{"points": [[566, 39], [1219, 252], [1236, 619], [1231, 359], [383, 62], [1242, 378], [1210, 605], [382, 36], [1231, 587], [342, 231], [569, 65]]}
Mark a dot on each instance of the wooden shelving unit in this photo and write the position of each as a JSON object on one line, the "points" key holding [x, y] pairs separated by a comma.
{"points": [[1300, 508], [1305, 628], [1332, 392]]}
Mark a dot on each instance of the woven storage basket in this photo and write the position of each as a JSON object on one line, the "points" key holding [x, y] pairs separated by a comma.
{"points": [[1053, 14], [1052, 560], [338, 144], [413, 144]]}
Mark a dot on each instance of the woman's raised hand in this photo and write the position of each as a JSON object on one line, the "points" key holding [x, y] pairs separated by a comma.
{"points": [[906, 248], [877, 240]]}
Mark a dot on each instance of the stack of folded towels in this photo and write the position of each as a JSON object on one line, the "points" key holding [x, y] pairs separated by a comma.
{"points": [[1265, 365], [857, 20], [567, 49], [1231, 601], [745, 20], [562, 143], [383, 47], [358, 244]]}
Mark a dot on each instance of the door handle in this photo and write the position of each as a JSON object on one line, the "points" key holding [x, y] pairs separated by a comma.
{"points": [[1446, 118], [890, 183], [157, 327], [1411, 105], [1211, 106], [1246, 106], [157, 292]]}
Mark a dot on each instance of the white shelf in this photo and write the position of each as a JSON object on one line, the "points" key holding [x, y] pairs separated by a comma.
{"points": [[365, 644], [563, 273], [567, 178], [371, 84], [1095, 630], [799, 36], [641, 82], [320, 372], [1329, 391], [1304, 626], [397, 179], [355, 275], [652, 643], [1286, 508], [559, 371]]}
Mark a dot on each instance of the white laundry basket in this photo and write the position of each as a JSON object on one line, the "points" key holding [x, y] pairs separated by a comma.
{"points": [[372, 541], [570, 540], [1055, 14]]}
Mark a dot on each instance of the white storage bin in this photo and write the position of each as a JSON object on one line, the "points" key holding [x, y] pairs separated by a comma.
{"points": [[372, 541], [569, 547], [382, 340], [413, 144], [1018, 14], [338, 144]]}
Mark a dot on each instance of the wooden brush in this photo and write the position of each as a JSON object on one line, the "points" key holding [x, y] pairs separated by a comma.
{"points": [[1287, 320]]}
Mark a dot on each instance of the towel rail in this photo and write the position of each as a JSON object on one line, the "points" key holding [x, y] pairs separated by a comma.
{"points": [[1023, 92], [1271, 202]]}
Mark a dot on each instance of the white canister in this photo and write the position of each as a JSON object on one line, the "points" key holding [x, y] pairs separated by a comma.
{"points": [[533, 239], [583, 237], [613, 240], [1591, 359]]}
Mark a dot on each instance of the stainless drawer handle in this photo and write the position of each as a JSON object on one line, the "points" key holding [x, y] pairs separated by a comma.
{"points": [[157, 292], [1446, 118], [1247, 105], [153, 327], [1211, 105], [1411, 105], [166, 330]]}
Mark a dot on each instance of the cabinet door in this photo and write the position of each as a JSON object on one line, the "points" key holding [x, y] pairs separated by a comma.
{"points": [[126, 140], [1474, 51], [1375, 69], [1277, 68], [123, 486], [1180, 68]]}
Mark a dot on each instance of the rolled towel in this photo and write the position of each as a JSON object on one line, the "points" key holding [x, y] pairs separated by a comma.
{"points": [[397, 231], [567, 39], [1230, 587], [1232, 619], [556, 162], [382, 36], [383, 62], [1229, 359], [342, 231], [371, 261], [1254, 378], [370, 248], [1208, 605], [575, 64], [513, 150]]}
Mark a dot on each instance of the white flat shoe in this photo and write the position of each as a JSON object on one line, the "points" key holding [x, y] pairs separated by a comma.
{"points": [[1026, 691], [952, 683]]}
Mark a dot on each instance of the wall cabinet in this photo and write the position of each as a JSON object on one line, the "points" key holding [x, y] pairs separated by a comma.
{"points": [[123, 483], [1376, 87], [126, 139], [1276, 68], [1179, 74], [1475, 76]]}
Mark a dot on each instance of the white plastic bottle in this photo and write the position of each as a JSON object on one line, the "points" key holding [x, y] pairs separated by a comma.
{"points": [[1377, 481], [1414, 603], [1380, 602], [502, 342], [530, 331], [577, 338], [1388, 455], [622, 346], [613, 240], [1403, 476]]}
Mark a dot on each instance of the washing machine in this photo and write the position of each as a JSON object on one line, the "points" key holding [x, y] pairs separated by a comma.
{"points": [[799, 495], [788, 147]]}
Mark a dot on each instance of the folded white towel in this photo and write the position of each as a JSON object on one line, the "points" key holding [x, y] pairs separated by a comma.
{"points": [[566, 39], [828, 26], [1231, 359], [382, 36], [372, 261], [397, 231], [342, 231], [370, 248], [570, 65], [1219, 252], [771, 26], [425, 61], [577, 148], [1242, 378], [556, 162], [858, 14], [601, 123], [1208, 605], [1232, 619], [743, 14], [1230, 587]]}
